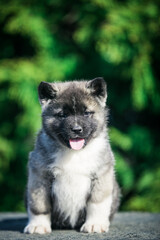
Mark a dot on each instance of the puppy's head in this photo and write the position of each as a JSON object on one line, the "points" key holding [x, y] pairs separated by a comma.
{"points": [[73, 112]]}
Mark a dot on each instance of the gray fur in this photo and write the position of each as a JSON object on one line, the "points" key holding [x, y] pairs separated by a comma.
{"points": [[71, 110]]}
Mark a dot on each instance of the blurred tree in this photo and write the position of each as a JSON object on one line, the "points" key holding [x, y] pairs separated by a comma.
{"points": [[56, 40]]}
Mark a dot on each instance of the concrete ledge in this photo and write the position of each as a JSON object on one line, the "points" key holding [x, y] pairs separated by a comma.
{"points": [[130, 225]]}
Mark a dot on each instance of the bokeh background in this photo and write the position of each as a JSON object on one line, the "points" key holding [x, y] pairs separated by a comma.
{"points": [[58, 40]]}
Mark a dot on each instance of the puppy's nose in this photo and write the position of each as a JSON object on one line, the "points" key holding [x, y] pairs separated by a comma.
{"points": [[76, 129]]}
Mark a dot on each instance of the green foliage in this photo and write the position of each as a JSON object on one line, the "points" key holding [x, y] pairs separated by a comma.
{"points": [[54, 41]]}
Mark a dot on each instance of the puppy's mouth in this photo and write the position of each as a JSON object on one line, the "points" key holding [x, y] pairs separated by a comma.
{"points": [[77, 143]]}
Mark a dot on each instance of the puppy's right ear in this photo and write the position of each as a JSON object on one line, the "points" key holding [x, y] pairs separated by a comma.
{"points": [[46, 92]]}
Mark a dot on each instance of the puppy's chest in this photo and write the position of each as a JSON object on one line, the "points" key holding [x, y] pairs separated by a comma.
{"points": [[70, 188], [72, 184]]}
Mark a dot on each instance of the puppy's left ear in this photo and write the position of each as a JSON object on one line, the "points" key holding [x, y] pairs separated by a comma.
{"points": [[46, 91], [98, 89]]}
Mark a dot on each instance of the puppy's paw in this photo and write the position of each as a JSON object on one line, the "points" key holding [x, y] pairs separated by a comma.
{"points": [[31, 228], [94, 228]]}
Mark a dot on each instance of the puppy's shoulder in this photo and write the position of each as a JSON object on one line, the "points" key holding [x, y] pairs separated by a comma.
{"points": [[44, 152]]}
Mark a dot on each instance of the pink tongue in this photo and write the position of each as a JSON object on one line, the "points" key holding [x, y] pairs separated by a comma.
{"points": [[77, 144]]}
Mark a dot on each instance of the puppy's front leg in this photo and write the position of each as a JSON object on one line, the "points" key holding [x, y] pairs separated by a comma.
{"points": [[99, 205], [38, 204], [38, 223]]}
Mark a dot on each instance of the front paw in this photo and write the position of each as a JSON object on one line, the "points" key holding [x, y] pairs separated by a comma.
{"points": [[31, 228], [94, 227]]}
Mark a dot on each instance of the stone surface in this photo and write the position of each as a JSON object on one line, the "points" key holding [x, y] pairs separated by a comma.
{"points": [[130, 226]]}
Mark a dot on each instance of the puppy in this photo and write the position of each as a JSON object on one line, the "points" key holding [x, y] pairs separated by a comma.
{"points": [[71, 180]]}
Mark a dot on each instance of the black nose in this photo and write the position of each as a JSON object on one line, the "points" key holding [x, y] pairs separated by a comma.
{"points": [[76, 129]]}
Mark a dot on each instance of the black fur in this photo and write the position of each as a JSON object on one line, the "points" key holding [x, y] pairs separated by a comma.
{"points": [[68, 111]]}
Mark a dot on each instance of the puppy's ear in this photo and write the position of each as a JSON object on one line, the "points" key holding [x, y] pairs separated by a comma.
{"points": [[46, 91], [98, 89]]}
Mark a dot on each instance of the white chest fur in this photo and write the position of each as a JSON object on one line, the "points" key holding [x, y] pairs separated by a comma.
{"points": [[71, 191], [72, 171]]}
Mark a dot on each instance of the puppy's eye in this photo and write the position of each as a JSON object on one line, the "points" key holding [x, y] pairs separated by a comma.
{"points": [[62, 115], [88, 114]]}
